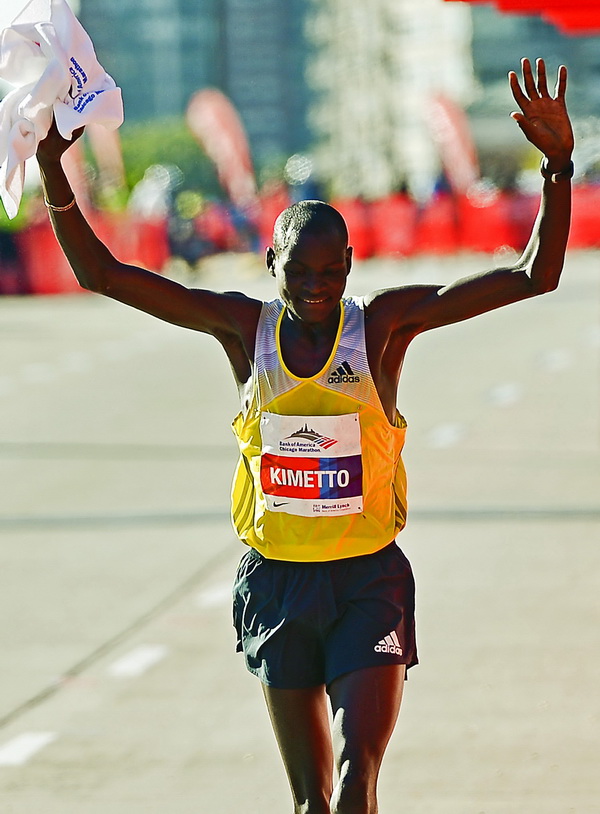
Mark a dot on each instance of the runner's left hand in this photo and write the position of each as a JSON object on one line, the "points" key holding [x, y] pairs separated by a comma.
{"points": [[543, 118]]}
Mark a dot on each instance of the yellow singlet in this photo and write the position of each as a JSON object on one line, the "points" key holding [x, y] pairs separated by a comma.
{"points": [[320, 475]]}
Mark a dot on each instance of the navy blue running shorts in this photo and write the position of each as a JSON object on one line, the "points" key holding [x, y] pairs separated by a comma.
{"points": [[302, 624]]}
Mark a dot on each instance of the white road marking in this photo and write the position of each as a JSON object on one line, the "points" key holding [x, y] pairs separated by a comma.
{"points": [[213, 596], [593, 335], [505, 394], [556, 360], [37, 373], [80, 361], [138, 660], [147, 340], [7, 385], [446, 435], [75, 362], [113, 350], [17, 751]]}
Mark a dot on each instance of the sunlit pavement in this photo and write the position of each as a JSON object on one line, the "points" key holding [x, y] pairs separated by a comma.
{"points": [[120, 690]]}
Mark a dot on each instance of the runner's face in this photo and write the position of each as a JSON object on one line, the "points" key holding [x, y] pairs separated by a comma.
{"points": [[311, 274]]}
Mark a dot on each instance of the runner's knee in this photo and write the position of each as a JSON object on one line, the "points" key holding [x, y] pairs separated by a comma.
{"points": [[356, 791], [312, 807], [310, 796]]}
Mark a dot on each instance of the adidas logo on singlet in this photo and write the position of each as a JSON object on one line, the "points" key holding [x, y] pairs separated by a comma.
{"points": [[343, 375]]}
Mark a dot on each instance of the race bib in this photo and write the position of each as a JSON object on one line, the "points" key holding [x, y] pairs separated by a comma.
{"points": [[311, 465]]}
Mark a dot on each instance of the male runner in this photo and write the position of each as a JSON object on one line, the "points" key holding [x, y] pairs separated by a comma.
{"points": [[324, 598]]}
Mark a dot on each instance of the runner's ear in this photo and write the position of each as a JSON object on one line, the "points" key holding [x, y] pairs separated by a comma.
{"points": [[349, 252], [270, 260]]}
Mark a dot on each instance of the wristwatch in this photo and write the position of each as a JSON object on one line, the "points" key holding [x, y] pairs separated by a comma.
{"points": [[555, 177]]}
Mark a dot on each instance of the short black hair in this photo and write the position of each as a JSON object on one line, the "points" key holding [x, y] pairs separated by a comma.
{"points": [[316, 217]]}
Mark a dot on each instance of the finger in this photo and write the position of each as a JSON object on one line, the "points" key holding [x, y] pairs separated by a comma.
{"points": [[518, 117], [515, 87], [542, 81], [526, 127], [524, 123], [528, 80], [561, 83]]}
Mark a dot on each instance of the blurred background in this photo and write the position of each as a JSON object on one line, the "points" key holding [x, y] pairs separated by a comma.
{"points": [[396, 112], [119, 688]]}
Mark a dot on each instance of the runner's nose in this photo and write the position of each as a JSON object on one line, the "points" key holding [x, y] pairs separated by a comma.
{"points": [[313, 284]]}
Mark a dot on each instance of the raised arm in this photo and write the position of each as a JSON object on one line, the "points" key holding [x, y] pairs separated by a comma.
{"points": [[230, 317], [544, 120]]}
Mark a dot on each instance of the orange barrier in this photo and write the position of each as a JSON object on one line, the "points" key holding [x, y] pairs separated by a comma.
{"points": [[356, 213], [486, 223], [150, 244], [273, 200], [522, 213], [393, 220], [47, 271], [393, 226], [114, 230], [44, 263], [437, 226], [214, 225], [585, 219], [134, 240]]}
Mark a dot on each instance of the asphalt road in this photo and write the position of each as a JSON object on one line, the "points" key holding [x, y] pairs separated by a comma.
{"points": [[119, 688]]}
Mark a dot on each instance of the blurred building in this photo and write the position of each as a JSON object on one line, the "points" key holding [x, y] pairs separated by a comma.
{"points": [[161, 51], [379, 67], [158, 51], [349, 82], [376, 69], [499, 42], [264, 55]]}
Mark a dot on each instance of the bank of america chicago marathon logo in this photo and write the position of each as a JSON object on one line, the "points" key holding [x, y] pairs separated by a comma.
{"points": [[315, 437], [343, 374]]}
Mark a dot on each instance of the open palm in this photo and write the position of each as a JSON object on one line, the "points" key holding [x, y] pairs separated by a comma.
{"points": [[543, 118]]}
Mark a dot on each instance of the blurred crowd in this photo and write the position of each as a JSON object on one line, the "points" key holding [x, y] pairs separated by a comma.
{"points": [[162, 222]]}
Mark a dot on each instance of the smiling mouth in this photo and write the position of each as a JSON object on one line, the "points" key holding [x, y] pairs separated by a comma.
{"points": [[313, 302]]}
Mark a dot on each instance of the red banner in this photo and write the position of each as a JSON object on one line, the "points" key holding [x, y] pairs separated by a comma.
{"points": [[575, 21], [575, 17], [216, 125], [450, 130], [542, 6]]}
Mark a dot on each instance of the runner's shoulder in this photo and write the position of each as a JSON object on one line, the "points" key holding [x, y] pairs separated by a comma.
{"points": [[383, 300], [241, 312], [395, 309]]}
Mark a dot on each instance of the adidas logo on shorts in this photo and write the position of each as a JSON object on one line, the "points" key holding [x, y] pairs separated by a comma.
{"points": [[389, 645], [343, 374]]}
